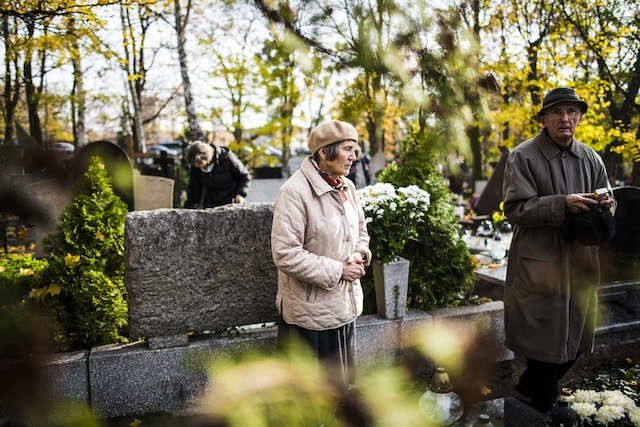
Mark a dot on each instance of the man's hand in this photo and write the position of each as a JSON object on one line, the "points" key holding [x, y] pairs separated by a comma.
{"points": [[606, 201], [580, 202]]}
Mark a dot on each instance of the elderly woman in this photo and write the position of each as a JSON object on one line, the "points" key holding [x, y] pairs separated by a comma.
{"points": [[319, 244], [216, 172]]}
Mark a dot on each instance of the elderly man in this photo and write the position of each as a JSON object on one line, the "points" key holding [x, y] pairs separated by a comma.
{"points": [[550, 295]]}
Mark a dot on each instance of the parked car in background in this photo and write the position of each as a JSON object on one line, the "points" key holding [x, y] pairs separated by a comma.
{"points": [[63, 147], [62, 151], [174, 146], [173, 149]]}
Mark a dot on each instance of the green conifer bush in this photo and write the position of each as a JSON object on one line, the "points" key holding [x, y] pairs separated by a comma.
{"points": [[441, 269], [86, 260]]}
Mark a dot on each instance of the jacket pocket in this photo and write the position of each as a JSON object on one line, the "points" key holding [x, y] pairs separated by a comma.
{"points": [[311, 293], [540, 276]]}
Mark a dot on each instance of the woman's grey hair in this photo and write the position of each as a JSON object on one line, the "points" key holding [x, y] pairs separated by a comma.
{"points": [[199, 151], [331, 151]]}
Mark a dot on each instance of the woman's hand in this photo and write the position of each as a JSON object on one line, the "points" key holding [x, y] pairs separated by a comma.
{"points": [[238, 199], [353, 268]]}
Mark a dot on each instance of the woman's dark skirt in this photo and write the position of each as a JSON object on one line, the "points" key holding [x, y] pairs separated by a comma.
{"points": [[335, 347]]}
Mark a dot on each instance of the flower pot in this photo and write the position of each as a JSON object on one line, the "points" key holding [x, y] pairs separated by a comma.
{"points": [[391, 282]]}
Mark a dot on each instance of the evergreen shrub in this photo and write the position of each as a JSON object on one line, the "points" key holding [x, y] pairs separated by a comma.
{"points": [[441, 269], [86, 260]]}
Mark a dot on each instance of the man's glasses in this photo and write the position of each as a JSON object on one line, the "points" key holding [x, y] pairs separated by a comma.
{"points": [[558, 113]]}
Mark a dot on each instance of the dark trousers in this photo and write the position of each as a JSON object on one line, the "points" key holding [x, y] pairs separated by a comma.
{"points": [[540, 382], [334, 347]]}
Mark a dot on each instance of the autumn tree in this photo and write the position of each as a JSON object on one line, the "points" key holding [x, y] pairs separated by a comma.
{"points": [[396, 52], [37, 37], [234, 72], [610, 55], [277, 69], [363, 40], [136, 20], [590, 45], [180, 22], [12, 75]]}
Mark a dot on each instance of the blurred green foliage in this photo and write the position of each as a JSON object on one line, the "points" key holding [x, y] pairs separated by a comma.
{"points": [[18, 275]]}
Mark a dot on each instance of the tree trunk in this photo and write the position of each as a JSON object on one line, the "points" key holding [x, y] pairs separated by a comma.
{"points": [[11, 82], [476, 152], [194, 132], [78, 98], [532, 57], [35, 128]]}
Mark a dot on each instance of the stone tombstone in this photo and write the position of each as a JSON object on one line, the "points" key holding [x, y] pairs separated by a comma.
{"points": [[491, 195], [46, 197], [620, 259], [198, 270], [152, 192], [117, 163], [34, 158]]}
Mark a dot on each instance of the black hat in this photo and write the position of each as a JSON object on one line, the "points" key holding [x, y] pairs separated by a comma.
{"points": [[562, 94]]}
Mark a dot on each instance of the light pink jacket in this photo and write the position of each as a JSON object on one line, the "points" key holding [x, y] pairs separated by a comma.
{"points": [[310, 239]]}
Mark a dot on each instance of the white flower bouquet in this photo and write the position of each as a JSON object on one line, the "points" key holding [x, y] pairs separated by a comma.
{"points": [[392, 215], [605, 408]]}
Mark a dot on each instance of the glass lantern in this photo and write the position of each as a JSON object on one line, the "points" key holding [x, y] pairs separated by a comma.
{"points": [[506, 231], [485, 229], [497, 248], [439, 402]]}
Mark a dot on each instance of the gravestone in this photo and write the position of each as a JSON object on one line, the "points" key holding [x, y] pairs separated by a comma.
{"points": [[491, 195], [117, 164], [152, 192], [35, 158], [620, 259], [198, 270]]}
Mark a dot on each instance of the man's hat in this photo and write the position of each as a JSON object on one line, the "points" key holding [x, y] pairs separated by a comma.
{"points": [[562, 94]]}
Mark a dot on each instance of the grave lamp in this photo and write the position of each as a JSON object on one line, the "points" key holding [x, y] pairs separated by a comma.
{"points": [[439, 402]]}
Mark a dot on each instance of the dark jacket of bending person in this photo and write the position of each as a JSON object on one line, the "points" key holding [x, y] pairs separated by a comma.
{"points": [[216, 176]]}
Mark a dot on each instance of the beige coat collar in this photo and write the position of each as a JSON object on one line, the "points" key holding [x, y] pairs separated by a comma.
{"points": [[310, 170]]}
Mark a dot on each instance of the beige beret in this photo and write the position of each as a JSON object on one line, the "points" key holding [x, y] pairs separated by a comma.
{"points": [[329, 132]]}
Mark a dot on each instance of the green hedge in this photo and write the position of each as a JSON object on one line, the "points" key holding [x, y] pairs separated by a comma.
{"points": [[441, 269], [86, 261]]}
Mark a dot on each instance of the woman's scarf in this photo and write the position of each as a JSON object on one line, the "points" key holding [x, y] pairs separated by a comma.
{"points": [[336, 183]]}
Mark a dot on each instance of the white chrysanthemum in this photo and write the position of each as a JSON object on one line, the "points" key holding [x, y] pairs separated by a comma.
{"points": [[634, 416], [380, 212], [393, 206], [617, 398], [587, 396], [607, 414], [584, 410]]}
